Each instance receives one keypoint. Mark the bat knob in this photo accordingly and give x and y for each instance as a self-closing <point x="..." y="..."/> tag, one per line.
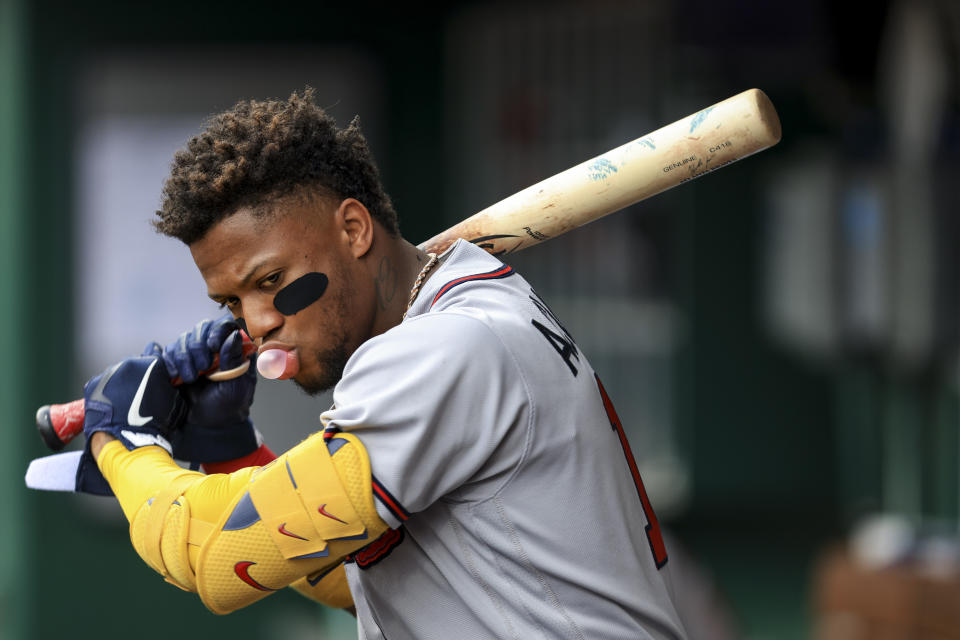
<point x="47" y="430"/>
<point x="58" y="424"/>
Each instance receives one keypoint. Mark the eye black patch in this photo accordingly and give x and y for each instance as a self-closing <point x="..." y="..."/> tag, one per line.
<point x="301" y="293"/>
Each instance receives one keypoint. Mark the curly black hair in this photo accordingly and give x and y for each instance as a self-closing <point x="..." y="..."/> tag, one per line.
<point x="260" y="151"/>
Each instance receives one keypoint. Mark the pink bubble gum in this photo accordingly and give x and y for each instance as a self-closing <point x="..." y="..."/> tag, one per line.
<point x="277" y="364"/>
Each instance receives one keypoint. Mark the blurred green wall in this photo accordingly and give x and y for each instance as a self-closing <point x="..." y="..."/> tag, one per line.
<point x="15" y="544"/>
<point x="61" y="564"/>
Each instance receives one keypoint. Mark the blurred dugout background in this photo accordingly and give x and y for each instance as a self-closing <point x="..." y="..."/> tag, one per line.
<point x="780" y="338"/>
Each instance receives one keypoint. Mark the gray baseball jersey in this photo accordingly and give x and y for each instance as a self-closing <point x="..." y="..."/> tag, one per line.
<point x="498" y="460"/>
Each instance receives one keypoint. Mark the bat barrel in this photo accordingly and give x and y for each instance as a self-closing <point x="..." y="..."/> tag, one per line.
<point x="689" y="148"/>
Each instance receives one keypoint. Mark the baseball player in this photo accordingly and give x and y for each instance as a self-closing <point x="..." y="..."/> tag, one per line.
<point x="472" y="477"/>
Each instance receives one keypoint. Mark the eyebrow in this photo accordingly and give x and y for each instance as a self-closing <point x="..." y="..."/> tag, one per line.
<point x="216" y="297"/>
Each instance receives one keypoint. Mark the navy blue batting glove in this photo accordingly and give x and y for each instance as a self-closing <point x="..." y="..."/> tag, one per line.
<point x="193" y="351"/>
<point x="135" y="403"/>
<point x="217" y="425"/>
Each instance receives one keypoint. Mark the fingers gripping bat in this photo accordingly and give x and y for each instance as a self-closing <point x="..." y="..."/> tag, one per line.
<point x="58" y="424"/>
<point x="689" y="148"/>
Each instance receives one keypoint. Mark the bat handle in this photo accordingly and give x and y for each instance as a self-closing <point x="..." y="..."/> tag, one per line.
<point x="58" y="424"/>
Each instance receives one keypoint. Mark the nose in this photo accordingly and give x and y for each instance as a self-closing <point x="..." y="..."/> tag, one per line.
<point x="261" y="317"/>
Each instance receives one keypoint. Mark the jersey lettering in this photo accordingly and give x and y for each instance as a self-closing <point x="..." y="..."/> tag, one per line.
<point x="566" y="349"/>
<point x="562" y="342"/>
<point x="654" y="536"/>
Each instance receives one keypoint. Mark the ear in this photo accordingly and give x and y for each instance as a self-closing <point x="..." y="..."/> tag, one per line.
<point x="357" y="223"/>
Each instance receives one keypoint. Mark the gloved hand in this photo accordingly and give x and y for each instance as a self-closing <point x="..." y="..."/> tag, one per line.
<point x="135" y="403"/>
<point x="193" y="351"/>
<point x="217" y="425"/>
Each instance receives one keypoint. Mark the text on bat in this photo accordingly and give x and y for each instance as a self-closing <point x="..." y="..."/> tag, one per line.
<point x="679" y="163"/>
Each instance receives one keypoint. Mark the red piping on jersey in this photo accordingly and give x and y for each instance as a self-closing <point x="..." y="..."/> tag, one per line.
<point x="500" y="272"/>
<point x="388" y="500"/>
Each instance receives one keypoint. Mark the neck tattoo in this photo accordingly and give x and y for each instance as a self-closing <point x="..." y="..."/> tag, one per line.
<point x="419" y="281"/>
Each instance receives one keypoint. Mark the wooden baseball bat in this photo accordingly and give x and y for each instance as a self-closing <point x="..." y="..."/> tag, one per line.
<point x="689" y="148"/>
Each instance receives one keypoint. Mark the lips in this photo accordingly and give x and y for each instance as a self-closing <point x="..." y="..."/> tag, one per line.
<point x="275" y="344"/>
<point x="277" y="361"/>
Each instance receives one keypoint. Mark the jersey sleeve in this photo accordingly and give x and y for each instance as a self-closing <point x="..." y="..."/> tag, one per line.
<point x="441" y="408"/>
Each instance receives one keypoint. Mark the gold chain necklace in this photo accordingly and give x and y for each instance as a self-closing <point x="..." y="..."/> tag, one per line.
<point x="419" y="281"/>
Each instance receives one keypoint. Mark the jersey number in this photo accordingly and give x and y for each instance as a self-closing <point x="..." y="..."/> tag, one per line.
<point x="654" y="537"/>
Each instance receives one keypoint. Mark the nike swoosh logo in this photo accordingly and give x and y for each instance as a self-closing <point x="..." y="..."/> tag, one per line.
<point x="283" y="529"/>
<point x="324" y="512"/>
<point x="134" y="419"/>
<point x="242" y="569"/>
